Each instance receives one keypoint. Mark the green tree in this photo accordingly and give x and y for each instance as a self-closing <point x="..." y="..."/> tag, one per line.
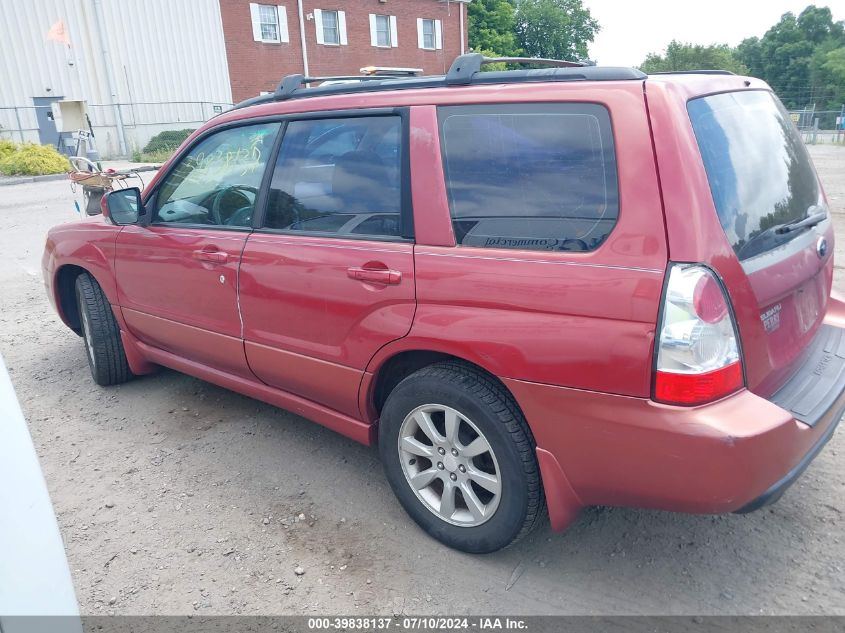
<point x="834" y="63"/>
<point x="684" y="56"/>
<point x="491" y="67"/>
<point x="492" y="27"/>
<point x="793" y="58"/>
<point x="559" y="29"/>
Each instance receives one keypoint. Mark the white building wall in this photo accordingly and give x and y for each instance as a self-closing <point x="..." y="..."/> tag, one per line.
<point x="168" y="67"/>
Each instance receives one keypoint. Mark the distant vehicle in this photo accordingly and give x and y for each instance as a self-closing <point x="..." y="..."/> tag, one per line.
<point x="34" y="575"/>
<point x="375" y="71"/>
<point x="570" y="286"/>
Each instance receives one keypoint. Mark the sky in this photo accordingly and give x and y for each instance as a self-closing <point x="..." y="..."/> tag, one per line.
<point x="630" y="29"/>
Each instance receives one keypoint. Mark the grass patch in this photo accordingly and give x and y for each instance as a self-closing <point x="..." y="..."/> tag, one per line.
<point x="158" y="156"/>
<point x="29" y="159"/>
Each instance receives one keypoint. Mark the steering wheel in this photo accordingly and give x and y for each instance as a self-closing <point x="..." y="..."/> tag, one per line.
<point x="239" y="213"/>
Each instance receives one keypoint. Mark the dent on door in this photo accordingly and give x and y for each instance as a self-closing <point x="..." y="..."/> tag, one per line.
<point x="178" y="277"/>
<point x="178" y="291"/>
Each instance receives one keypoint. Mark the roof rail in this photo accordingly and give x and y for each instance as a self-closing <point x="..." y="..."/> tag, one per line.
<point x="290" y="84"/>
<point x="464" y="71"/>
<point x="465" y="66"/>
<point x="693" y="72"/>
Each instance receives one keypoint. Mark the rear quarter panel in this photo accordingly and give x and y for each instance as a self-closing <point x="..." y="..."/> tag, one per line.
<point x="583" y="320"/>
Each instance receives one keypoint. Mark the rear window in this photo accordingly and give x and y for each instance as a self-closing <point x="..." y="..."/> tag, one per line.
<point x="759" y="170"/>
<point x="530" y="176"/>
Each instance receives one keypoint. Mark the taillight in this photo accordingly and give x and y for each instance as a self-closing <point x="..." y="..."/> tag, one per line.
<point x="697" y="352"/>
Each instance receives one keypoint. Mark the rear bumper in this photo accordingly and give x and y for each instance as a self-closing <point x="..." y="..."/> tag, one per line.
<point x="736" y="454"/>
<point x="778" y="488"/>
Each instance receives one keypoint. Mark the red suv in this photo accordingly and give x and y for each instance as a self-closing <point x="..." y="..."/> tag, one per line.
<point x="563" y="286"/>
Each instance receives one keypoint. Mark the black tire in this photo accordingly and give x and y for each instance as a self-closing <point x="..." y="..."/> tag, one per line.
<point x="478" y="397"/>
<point x="100" y="332"/>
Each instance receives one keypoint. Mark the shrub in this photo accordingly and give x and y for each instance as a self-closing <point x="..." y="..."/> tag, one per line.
<point x="30" y="159"/>
<point x="168" y="140"/>
<point x="158" y="156"/>
<point x="6" y="148"/>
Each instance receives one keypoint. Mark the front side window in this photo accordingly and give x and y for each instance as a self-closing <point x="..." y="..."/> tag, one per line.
<point x="758" y="168"/>
<point x="269" y="21"/>
<point x="383" y="30"/>
<point x="530" y="176"/>
<point x="331" y="31"/>
<point x="339" y="176"/>
<point x="217" y="181"/>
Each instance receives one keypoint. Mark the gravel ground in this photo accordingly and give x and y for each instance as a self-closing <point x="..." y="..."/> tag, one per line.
<point x="178" y="497"/>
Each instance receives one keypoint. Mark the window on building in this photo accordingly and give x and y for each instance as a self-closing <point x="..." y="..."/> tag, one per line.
<point x="339" y="176"/>
<point x="269" y="19"/>
<point x="331" y="35"/>
<point x="269" y="23"/>
<point x="330" y="26"/>
<point x="383" y="30"/>
<point x="530" y="176"/>
<point x="429" y="34"/>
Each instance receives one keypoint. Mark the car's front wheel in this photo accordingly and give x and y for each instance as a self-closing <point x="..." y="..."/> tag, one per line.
<point x="460" y="457"/>
<point x="103" y="346"/>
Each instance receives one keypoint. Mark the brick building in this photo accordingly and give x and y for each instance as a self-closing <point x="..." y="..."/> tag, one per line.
<point x="266" y="41"/>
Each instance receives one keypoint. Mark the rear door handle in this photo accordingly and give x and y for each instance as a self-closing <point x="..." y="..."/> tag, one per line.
<point x="215" y="257"/>
<point x="377" y="275"/>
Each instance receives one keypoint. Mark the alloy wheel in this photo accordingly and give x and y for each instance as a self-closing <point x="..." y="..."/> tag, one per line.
<point x="450" y="465"/>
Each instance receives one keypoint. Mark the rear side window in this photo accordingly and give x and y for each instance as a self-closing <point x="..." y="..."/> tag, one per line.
<point x="530" y="176"/>
<point x="340" y="177"/>
<point x="759" y="171"/>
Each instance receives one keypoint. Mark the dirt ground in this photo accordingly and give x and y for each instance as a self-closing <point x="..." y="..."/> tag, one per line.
<point x="178" y="497"/>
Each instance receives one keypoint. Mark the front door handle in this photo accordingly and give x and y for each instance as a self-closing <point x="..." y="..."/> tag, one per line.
<point x="377" y="275"/>
<point x="215" y="257"/>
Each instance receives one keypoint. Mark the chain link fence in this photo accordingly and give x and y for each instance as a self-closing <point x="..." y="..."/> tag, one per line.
<point x="140" y="120"/>
<point x="820" y="126"/>
<point x="143" y="120"/>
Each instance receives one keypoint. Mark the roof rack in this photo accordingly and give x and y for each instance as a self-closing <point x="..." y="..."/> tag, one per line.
<point x="290" y="84"/>
<point x="465" y="66"/>
<point x="693" y="72"/>
<point x="465" y="70"/>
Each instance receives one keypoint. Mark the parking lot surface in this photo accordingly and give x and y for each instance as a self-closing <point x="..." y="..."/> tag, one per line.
<point x="175" y="497"/>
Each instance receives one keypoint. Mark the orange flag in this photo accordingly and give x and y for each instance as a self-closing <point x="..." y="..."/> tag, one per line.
<point x="58" y="33"/>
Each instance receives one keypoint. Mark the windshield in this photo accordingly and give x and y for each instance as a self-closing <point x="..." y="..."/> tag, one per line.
<point x="760" y="173"/>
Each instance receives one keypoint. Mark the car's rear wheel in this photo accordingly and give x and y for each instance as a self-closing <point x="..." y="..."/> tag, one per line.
<point x="460" y="457"/>
<point x="103" y="346"/>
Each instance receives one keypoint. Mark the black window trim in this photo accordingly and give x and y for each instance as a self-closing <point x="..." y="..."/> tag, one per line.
<point x="406" y="205"/>
<point x="612" y="136"/>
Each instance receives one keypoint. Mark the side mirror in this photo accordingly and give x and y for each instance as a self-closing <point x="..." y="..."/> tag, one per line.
<point x="122" y="206"/>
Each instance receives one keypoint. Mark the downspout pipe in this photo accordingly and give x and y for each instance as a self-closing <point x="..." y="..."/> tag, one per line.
<point x="107" y="69"/>
<point x="461" y="8"/>
<point x="302" y="38"/>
